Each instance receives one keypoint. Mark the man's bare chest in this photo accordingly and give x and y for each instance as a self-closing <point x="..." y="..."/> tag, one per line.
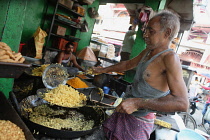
<point x="66" y="56"/>
<point x="156" y="69"/>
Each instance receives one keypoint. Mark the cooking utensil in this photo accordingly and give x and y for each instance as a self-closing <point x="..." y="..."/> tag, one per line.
<point x="54" y="75"/>
<point x="41" y="93"/>
<point x="103" y="107"/>
<point x="12" y="70"/>
<point x="98" y="115"/>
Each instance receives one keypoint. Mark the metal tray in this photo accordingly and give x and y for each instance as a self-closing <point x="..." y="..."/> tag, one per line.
<point x="12" y="70"/>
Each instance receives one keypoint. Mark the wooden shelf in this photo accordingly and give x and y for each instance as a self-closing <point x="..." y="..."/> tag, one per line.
<point x="53" y="49"/>
<point x="70" y="38"/>
<point x="63" y="21"/>
<point x="97" y="42"/>
<point x="63" y="6"/>
<point x="66" y="23"/>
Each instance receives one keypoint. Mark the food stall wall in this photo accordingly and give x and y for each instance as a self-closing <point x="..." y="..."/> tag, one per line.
<point x="11" y="23"/>
<point x="34" y="17"/>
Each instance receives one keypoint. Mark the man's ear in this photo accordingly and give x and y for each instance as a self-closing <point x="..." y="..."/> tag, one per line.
<point x="168" y="32"/>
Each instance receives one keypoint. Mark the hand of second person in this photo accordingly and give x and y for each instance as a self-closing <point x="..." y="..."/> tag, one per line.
<point x="98" y="70"/>
<point x="127" y="106"/>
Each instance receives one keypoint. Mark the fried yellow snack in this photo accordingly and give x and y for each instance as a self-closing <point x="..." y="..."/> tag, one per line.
<point x="10" y="54"/>
<point x="2" y="52"/>
<point x="39" y="70"/>
<point x="7" y="55"/>
<point x="21" y="60"/>
<point x="163" y="123"/>
<point x="18" y="57"/>
<point x="3" y="57"/>
<point x="8" y="60"/>
<point x="10" y="131"/>
<point x="65" y="96"/>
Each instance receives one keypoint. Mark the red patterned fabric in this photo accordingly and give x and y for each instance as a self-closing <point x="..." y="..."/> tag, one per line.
<point x="122" y="126"/>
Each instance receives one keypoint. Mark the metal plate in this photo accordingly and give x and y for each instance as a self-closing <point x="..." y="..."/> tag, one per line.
<point x="12" y="70"/>
<point x="54" y="75"/>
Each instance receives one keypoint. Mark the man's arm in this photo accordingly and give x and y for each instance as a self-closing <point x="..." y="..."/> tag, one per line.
<point x="74" y="61"/>
<point x="59" y="57"/>
<point x="177" y="99"/>
<point x="131" y="32"/>
<point x="122" y="66"/>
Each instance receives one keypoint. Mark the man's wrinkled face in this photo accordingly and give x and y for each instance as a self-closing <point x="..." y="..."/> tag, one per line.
<point x="153" y="34"/>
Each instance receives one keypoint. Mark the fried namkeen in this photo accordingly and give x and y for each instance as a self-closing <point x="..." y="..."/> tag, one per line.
<point x="7" y="55"/>
<point x="65" y="96"/>
<point x="10" y="131"/>
<point x="39" y="70"/>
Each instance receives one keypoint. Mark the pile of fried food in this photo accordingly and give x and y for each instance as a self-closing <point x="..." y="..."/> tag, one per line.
<point x="39" y="70"/>
<point x="90" y="72"/>
<point x="61" y="119"/>
<point x="163" y="123"/>
<point x="10" y="131"/>
<point x="77" y="83"/>
<point x="65" y="96"/>
<point x="7" y="55"/>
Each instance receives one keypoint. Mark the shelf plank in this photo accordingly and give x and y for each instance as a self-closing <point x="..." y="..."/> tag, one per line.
<point x="66" y="23"/>
<point x="53" y="49"/>
<point x="65" y="7"/>
<point x="67" y="38"/>
<point x="97" y="42"/>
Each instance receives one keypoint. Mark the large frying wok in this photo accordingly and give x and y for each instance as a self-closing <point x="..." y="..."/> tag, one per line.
<point x="95" y="114"/>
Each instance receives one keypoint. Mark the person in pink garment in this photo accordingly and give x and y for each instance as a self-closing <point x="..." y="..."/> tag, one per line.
<point x="206" y="88"/>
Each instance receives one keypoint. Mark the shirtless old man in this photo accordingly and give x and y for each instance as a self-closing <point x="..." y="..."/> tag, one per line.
<point x="158" y="84"/>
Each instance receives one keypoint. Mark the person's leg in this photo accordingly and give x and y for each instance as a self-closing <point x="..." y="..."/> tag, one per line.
<point x="121" y="126"/>
<point x="204" y="111"/>
<point x="205" y="108"/>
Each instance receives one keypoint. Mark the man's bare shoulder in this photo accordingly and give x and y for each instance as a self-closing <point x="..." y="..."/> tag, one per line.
<point x="170" y="56"/>
<point x="171" y="60"/>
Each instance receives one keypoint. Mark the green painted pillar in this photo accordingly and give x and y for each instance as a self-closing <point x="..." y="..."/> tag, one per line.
<point x="139" y="44"/>
<point x="86" y="36"/>
<point x="11" y="26"/>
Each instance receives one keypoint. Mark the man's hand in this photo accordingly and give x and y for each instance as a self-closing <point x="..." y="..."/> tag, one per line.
<point x="98" y="70"/>
<point x="128" y="106"/>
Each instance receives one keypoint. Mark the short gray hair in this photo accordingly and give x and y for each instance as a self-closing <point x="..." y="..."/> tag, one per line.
<point x="170" y="20"/>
